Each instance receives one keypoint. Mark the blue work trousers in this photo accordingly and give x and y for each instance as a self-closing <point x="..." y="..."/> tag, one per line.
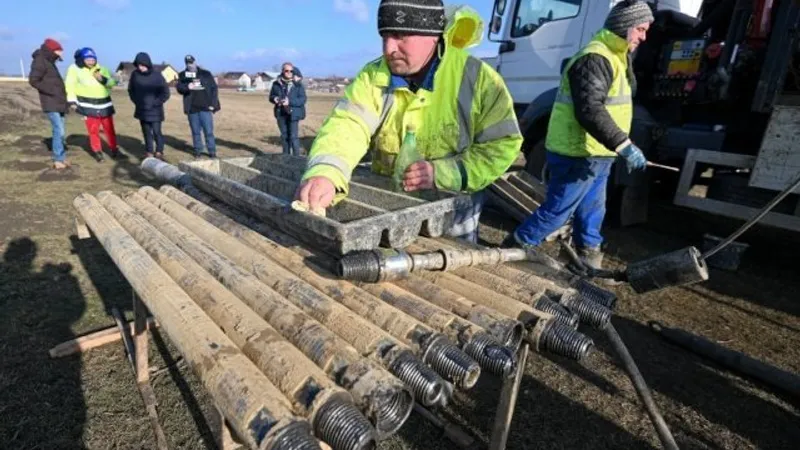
<point x="577" y="189"/>
<point x="203" y="122"/>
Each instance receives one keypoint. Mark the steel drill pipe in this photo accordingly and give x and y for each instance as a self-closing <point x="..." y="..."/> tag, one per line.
<point x="570" y="285"/>
<point x="447" y="359"/>
<point x="329" y="408"/>
<point x="551" y="338"/>
<point x="258" y="412"/>
<point x="506" y="330"/>
<point x="383" y="398"/>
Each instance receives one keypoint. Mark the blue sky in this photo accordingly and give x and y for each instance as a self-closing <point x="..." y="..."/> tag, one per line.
<point x="322" y="37"/>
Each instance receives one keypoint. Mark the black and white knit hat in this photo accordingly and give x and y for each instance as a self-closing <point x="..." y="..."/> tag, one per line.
<point x="418" y="17"/>
<point x="627" y="14"/>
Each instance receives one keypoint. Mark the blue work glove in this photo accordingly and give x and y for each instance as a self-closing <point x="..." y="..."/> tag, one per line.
<point x="634" y="158"/>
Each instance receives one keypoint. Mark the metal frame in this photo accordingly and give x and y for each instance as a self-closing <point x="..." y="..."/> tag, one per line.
<point x="727" y="209"/>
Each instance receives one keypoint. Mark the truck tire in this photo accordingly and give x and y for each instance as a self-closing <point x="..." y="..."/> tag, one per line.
<point x="535" y="161"/>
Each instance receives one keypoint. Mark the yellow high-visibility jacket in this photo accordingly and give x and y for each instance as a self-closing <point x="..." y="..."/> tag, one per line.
<point x="464" y="118"/>
<point x="92" y="97"/>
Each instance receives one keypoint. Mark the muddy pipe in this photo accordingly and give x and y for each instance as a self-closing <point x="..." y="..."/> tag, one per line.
<point x="329" y="408"/>
<point x="258" y="412"/>
<point x="383" y="398"/>
<point x="341" y="311"/>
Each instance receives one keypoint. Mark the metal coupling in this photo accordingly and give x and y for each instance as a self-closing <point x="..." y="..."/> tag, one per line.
<point x="342" y="426"/>
<point x="376" y="265"/>
<point x="491" y="355"/>
<point x="595" y="293"/>
<point x="593" y="314"/>
<point x="559" y="312"/>
<point x="557" y="338"/>
<point x="427" y="386"/>
<point x="294" y="436"/>
<point x="452" y="363"/>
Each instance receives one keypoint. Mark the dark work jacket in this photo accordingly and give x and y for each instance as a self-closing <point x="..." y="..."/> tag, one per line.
<point x="590" y="79"/>
<point x="45" y="77"/>
<point x="198" y="100"/>
<point x="148" y="91"/>
<point x="297" y="98"/>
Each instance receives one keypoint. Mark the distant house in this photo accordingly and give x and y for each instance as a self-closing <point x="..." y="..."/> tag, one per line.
<point x="125" y="69"/>
<point x="234" y="80"/>
<point x="262" y="81"/>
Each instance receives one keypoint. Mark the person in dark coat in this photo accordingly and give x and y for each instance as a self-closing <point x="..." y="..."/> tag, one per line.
<point x="200" y="102"/>
<point x="289" y="97"/>
<point x="149" y="91"/>
<point x="45" y="78"/>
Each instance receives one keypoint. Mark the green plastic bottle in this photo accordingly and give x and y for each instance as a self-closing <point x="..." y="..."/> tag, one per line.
<point x="408" y="155"/>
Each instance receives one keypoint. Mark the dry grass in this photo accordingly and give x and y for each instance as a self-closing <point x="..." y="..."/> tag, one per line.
<point x="53" y="287"/>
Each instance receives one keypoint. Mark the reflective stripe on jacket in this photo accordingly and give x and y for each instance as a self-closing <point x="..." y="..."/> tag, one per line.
<point x="465" y="124"/>
<point x="565" y="135"/>
<point x="92" y="97"/>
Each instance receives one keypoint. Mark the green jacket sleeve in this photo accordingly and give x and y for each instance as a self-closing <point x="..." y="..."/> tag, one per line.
<point x="345" y="135"/>
<point x="496" y="142"/>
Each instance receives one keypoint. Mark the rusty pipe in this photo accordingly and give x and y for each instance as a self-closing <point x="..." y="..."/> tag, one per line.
<point x="329" y="408"/>
<point x="281" y="272"/>
<point x="384" y="399"/>
<point x="255" y="408"/>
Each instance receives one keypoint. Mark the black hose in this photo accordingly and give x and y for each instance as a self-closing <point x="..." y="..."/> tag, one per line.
<point x="664" y="434"/>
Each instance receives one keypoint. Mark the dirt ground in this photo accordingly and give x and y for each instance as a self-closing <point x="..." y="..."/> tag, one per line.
<point x="54" y="287"/>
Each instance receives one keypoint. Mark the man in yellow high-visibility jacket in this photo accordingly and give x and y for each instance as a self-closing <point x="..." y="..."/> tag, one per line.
<point x="466" y="129"/>
<point x="589" y="128"/>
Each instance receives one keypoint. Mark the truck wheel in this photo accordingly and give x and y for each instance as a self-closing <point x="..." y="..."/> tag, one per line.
<point x="535" y="161"/>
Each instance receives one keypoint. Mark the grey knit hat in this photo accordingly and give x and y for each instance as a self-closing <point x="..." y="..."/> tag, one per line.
<point x="627" y="14"/>
<point x="418" y="17"/>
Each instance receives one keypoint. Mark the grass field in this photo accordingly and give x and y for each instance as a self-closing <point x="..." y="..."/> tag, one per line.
<point x="53" y="287"/>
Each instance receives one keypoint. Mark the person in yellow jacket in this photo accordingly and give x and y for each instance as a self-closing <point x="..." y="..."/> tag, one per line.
<point x="89" y="92"/>
<point x="466" y="129"/>
<point x="589" y="128"/>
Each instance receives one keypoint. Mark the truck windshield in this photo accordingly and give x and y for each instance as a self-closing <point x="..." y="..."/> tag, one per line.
<point x="531" y="14"/>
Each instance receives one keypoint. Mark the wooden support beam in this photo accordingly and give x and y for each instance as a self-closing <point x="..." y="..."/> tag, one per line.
<point x="94" y="339"/>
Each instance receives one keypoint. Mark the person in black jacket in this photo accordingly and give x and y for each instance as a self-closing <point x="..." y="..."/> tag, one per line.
<point x="289" y="97"/>
<point x="149" y="91"/>
<point x="45" y="78"/>
<point x="200" y="102"/>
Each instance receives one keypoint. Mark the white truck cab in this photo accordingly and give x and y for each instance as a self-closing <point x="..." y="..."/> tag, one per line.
<point x="538" y="37"/>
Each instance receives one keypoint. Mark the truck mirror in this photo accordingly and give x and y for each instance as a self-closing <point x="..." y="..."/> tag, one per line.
<point x="497" y="23"/>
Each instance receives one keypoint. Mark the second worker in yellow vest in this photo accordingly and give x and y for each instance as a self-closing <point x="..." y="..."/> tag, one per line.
<point x="467" y="132"/>
<point x="588" y="129"/>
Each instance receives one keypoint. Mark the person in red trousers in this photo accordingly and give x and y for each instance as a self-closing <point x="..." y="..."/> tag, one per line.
<point x="89" y="93"/>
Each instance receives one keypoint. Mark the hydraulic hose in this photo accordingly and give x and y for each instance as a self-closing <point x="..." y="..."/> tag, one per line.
<point x="660" y="425"/>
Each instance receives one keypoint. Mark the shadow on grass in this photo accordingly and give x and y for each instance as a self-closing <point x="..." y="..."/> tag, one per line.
<point x="41" y="400"/>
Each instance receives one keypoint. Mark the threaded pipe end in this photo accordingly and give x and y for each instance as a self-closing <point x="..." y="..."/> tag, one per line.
<point x="390" y="409"/>
<point x="596" y="294"/>
<point x="593" y="314"/>
<point x="559" y="313"/>
<point x="559" y="339"/>
<point x="359" y="266"/>
<point x="508" y="332"/>
<point x="342" y="426"/>
<point x="294" y="436"/>
<point x="491" y="355"/>
<point x="452" y="363"/>
<point x="426" y="384"/>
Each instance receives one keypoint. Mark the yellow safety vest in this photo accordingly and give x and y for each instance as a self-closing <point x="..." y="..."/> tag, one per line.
<point x="565" y="135"/>
<point x="465" y="125"/>
<point x="91" y="97"/>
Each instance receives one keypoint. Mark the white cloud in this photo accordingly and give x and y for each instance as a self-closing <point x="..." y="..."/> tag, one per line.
<point x="263" y="53"/>
<point x="221" y="6"/>
<point x="60" y="36"/>
<point x="6" y="34"/>
<point x="356" y="8"/>
<point x="114" y="5"/>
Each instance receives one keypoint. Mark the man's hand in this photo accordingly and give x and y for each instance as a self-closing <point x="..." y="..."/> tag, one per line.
<point x="419" y="176"/>
<point x="634" y="158"/>
<point x="98" y="76"/>
<point x="285" y="102"/>
<point x="317" y="192"/>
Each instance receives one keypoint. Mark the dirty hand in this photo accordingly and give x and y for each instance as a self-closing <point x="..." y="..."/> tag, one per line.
<point x="419" y="176"/>
<point x="317" y="192"/>
<point x="634" y="158"/>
